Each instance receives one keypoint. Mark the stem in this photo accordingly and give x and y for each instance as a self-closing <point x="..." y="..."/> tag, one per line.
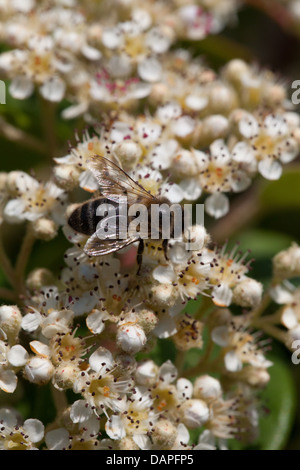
<point x="60" y="400"/>
<point x="49" y="128"/>
<point x="266" y="300"/>
<point x="6" y="265"/>
<point x="275" y="332"/>
<point x="277" y="12"/>
<point x="20" y="137"/>
<point x="7" y="294"/>
<point x="179" y="361"/>
<point x="23" y="258"/>
<point x="203" y="364"/>
<point x="243" y="211"/>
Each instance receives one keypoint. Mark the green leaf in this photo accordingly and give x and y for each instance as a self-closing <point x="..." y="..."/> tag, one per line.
<point x="264" y="244"/>
<point x="277" y="410"/>
<point x="280" y="399"/>
<point x="283" y="193"/>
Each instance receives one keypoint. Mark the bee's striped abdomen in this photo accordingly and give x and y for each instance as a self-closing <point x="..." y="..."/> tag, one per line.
<point x="84" y="219"/>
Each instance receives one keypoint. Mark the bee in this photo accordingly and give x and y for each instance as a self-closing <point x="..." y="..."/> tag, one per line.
<point x="116" y="184"/>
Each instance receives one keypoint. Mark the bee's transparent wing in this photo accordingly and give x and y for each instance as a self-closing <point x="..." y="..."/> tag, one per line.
<point x="111" y="235"/>
<point x="115" y="183"/>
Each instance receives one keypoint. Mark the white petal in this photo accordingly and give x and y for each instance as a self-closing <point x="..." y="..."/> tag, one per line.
<point x="182" y="434"/>
<point x="241" y="181"/>
<point x="95" y="322"/>
<point x="72" y="112"/>
<point x="111" y="38"/>
<point x="9" y="417"/>
<point x="84" y="304"/>
<point x="8" y="381"/>
<point x="173" y="192"/>
<point x="17" y="356"/>
<point x="114" y="427"/>
<point x="21" y="87"/>
<point x="196" y="102"/>
<point x="58" y="439"/>
<point x="191" y="189"/>
<point x="217" y="205"/>
<point x="270" y="169"/>
<point x="53" y="90"/>
<point x="166" y="327"/>
<point x="80" y="412"/>
<point x="183" y="126"/>
<point x="40" y="348"/>
<point x="143" y="441"/>
<point x="275" y="125"/>
<point x="232" y="362"/>
<point x="185" y="388"/>
<point x="219" y="335"/>
<point x="222" y="295"/>
<point x="35" y="429"/>
<point x="88" y="182"/>
<point x="289" y="318"/>
<point x="91" y="53"/>
<point x="243" y="153"/>
<point x="150" y="70"/>
<point x="162" y="154"/>
<point x="14" y="211"/>
<point x="101" y="360"/>
<point x="248" y="126"/>
<point x="31" y="321"/>
<point x="168" y="372"/>
<point x="164" y="274"/>
<point x="281" y="294"/>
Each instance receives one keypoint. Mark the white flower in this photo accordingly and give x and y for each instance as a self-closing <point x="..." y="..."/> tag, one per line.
<point x="34" y="200"/>
<point x="16" y="437"/>
<point x="130" y="335"/>
<point x="272" y="143"/>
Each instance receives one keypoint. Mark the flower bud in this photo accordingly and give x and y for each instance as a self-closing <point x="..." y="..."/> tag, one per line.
<point x="207" y="388"/>
<point x="164" y="294"/>
<point x="185" y="388"/>
<point x="39" y="370"/>
<point x="39" y="277"/>
<point x="130" y="336"/>
<point x="235" y="70"/>
<point x="44" y="229"/>
<point x="214" y="127"/>
<point x="194" y="413"/>
<point x="248" y="293"/>
<point x="66" y="176"/>
<point x="146" y="373"/>
<point x="65" y="376"/>
<point x="128" y="152"/>
<point x="286" y="263"/>
<point x="164" y="434"/>
<point x="10" y="321"/>
<point x="127" y="444"/>
<point x="147" y="320"/>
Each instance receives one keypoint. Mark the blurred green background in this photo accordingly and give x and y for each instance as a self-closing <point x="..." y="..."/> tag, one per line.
<point x="275" y="221"/>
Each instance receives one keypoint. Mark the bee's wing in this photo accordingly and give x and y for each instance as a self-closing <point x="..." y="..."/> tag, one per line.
<point x="115" y="183"/>
<point x="97" y="247"/>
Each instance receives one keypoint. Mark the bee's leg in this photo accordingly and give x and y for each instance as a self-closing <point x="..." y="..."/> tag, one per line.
<point x="139" y="256"/>
<point x="165" y="244"/>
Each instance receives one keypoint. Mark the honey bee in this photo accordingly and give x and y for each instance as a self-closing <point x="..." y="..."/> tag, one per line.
<point x="115" y="186"/>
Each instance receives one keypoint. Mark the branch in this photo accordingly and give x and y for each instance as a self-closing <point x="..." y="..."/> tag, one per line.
<point x="9" y="132"/>
<point x="243" y="211"/>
